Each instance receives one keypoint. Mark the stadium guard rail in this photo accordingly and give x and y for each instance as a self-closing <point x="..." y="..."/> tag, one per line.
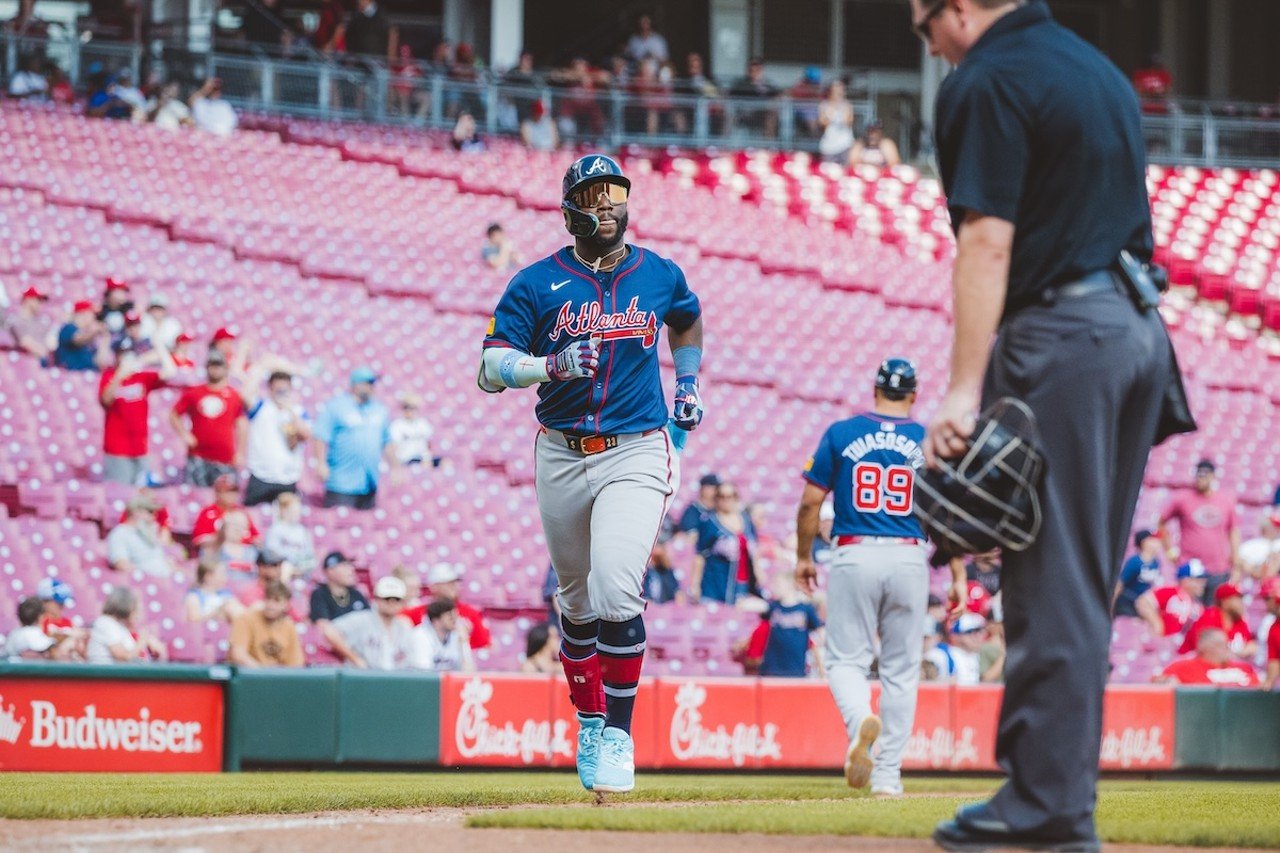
<point x="191" y="718"/>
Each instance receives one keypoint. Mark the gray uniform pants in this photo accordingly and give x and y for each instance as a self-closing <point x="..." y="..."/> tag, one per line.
<point x="1094" y="371"/>
<point x="601" y="515"/>
<point x="877" y="591"/>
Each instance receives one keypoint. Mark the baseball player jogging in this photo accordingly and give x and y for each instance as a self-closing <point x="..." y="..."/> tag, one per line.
<point x="879" y="583"/>
<point x="583" y="325"/>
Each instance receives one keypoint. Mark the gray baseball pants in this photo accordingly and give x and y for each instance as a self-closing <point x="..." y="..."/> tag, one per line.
<point x="877" y="590"/>
<point x="601" y="514"/>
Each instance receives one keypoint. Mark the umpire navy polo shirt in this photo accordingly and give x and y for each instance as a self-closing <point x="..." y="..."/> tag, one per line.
<point x="1035" y="126"/>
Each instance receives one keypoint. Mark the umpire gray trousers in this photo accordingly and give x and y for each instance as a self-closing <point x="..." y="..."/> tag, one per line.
<point x="1094" y="371"/>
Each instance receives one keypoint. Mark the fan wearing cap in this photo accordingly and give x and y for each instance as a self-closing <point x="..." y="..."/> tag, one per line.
<point x="376" y="638"/>
<point x="337" y="595"/>
<point x="958" y="660"/>
<point x="1227" y="615"/>
<point x="1207" y="529"/>
<point x="158" y="325"/>
<point x="181" y="354"/>
<point x="1211" y="666"/>
<point x="55" y="595"/>
<point x="1168" y="610"/>
<point x="28" y="328"/>
<point x="352" y="436"/>
<point x="82" y="340"/>
<point x="1271" y="592"/>
<point x="219" y="427"/>
<point x="116" y="303"/>
<point x="1139" y="573"/>
<point x="124" y="391"/>
<point x="136" y="544"/>
<point x="445" y="583"/>
<point x="411" y="433"/>
<point x="226" y="497"/>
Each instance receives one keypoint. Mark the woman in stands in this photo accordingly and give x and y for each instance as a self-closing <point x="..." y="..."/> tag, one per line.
<point x="873" y="149"/>
<point x="835" y="117"/>
<point x="726" y="566"/>
<point x="229" y="550"/>
<point x="115" y="637"/>
<point x="542" y="650"/>
<point x="210" y="598"/>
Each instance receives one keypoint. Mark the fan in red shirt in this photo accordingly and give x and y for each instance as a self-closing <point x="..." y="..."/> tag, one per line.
<point x="123" y="391"/>
<point x="1169" y="609"/>
<point x="1153" y="84"/>
<point x="1271" y="592"/>
<point x="219" y="424"/>
<point x="1212" y="665"/>
<point x="1226" y="616"/>
<point x="226" y="496"/>
<point x="446" y="582"/>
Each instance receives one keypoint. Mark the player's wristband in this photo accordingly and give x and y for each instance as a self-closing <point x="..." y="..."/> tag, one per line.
<point x="688" y="361"/>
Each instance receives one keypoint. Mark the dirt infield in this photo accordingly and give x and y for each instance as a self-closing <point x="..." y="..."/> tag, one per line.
<point x="440" y="829"/>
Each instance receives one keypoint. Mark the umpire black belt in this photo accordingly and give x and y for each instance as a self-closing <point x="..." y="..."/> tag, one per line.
<point x="1102" y="281"/>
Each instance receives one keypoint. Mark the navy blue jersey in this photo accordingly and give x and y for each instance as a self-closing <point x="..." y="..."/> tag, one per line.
<point x="789" y="628"/>
<point x="869" y="463"/>
<point x="557" y="300"/>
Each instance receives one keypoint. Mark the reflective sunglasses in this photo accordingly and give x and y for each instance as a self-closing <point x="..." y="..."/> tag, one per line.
<point x="589" y="196"/>
<point x="924" y="27"/>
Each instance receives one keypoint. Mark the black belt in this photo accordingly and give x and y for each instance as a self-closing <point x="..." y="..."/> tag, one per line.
<point x="1102" y="281"/>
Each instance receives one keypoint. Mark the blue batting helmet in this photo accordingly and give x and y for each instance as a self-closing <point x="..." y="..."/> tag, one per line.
<point x="584" y="171"/>
<point x="896" y="378"/>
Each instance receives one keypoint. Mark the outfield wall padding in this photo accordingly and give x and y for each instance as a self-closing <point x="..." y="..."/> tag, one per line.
<point x="1227" y="730"/>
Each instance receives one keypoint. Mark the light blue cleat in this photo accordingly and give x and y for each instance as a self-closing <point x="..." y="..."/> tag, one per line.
<point x="617" y="772"/>
<point x="589" y="729"/>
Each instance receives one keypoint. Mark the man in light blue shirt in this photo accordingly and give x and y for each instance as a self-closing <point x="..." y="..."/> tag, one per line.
<point x="352" y="435"/>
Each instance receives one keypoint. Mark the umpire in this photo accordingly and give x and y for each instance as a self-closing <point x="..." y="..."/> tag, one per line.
<point x="1042" y="160"/>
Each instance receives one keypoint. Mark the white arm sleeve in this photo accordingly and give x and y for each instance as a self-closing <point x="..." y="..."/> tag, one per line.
<point x="502" y="367"/>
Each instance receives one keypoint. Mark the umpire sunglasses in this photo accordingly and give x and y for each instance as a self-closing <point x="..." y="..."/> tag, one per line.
<point x="924" y="27"/>
<point x="590" y="195"/>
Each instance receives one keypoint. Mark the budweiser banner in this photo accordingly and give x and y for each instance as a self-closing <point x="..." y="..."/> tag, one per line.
<point x="91" y="725"/>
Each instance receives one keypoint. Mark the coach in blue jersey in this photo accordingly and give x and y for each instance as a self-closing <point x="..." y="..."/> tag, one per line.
<point x="879" y="581"/>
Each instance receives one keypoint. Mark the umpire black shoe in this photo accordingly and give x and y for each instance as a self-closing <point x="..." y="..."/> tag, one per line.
<point x="976" y="829"/>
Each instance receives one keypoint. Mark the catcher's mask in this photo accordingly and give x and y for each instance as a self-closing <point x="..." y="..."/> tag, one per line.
<point x="989" y="496"/>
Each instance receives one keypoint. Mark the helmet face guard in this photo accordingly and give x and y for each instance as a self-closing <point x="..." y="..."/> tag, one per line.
<point x="585" y="171"/>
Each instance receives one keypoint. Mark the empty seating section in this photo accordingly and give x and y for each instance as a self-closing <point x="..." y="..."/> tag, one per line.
<point x="339" y="245"/>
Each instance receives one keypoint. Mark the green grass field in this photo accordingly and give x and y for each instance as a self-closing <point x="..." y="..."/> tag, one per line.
<point x="1240" y="814"/>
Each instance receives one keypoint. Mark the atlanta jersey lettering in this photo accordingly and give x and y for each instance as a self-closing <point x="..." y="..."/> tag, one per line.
<point x="869" y="462"/>
<point x="557" y="300"/>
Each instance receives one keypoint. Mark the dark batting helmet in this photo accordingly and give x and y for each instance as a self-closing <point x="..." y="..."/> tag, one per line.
<point x="896" y="378"/>
<point x="588" y="170"/>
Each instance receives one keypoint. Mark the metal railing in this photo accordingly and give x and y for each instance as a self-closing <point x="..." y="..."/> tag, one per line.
<point x="351" y="88"/>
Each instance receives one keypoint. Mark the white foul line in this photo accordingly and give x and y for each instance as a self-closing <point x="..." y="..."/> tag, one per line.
<point x="277" y="825"/>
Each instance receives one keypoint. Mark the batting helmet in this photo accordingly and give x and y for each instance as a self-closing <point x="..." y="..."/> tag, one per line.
<point x="896" y="378"/>
<point x="988" y="497"/>
<point x="584" y="171"/>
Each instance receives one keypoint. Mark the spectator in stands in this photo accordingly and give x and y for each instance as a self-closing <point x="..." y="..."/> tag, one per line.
<point x="276" y="443"/>
<point x="700" y="508"/>
<point x="211" y="112"/>
<point x="226" y="498"/>
<point x="168" y="111"/>
<point x="1260" y="557"/>
<point x="652" y="90"/>
<point x="125" y="88"/>
<point x="466" y="138"/>
<point x="163" y="522"/>
<point x="266" y="635"/>
<point x="117" y="638"/>
<point x="369" y="32"/>
<point x="542" y="650"/>
<point x="525" y="76"/>
<point x="28" y="642"/>
<point x="445" y="582"/>
<point x="957" y="660"/>
<point x="991" y="654"/>
<point x="835" y="118"/>
<point x="232" y="547"/>
<point x="376" y="638"/>
<point x="807" y="95"/>
<point x="61" y="92"/>
<point x="697" y="84"/>
<point x="498" y="251"/>
<point x="407" y="95"/>
<point x="270" y="569"/>
<point x="412" y="591"/>
<point x="538" y="130"/>
<point x="754" y="118"/>
<point x="27" y="328"/>
<point x="289" y="537"/>
<point x="646" y="44"/>
<point x="1154" y="85"/>
<point x="104" y="99"/>
<point x="338" y="595"/>
<point x="28" y="83"/>
<point x="330" y="34"/>
<point x="136" y="544"/>
<point x="1227" y="615"/>
<point x="411" y="433"/>
<point x="724" y="567"/>
<point x="117" y="304"/>
<point x="181" y="357"/>
<point x="792" y="622"/>
<point x="985" y="570"/>
<point x="874" y="148"/>
<point x="1168" y="610"/>
<point x="580" y="111"/>
<point x="157" y="325"/>
<point x="210" y="598"/>
<point x="1212" y="665"/>
<point x="750" y="652"/>
<point x="661" y="584"/>
<point x="218" y="428"/>
<point x="441" y="643"/>
<point x="1207" y="531"/>
<point x="124" y="392"/>
<point x="81" y="340"/>
<point x="1139" y="573"/>
<point x="1272" y="654"/>
<point x="55" y="595"/>
<point x="931" y="639"/>
<point x="352" y="435"/>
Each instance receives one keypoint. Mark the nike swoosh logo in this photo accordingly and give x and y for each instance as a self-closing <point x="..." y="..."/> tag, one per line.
<point x="559" y="285"/>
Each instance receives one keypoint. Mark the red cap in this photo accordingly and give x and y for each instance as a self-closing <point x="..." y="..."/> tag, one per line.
<point x="1227" y="590"/>
<point x="33" y="293"/>
<point x="1271" y="588"/>
<point x="84" y="305"/>
<point x="117" y="284"/>
<point x="183" y="338"/>
<point x="224" y="334"/>
<point x="131" y="318"/>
